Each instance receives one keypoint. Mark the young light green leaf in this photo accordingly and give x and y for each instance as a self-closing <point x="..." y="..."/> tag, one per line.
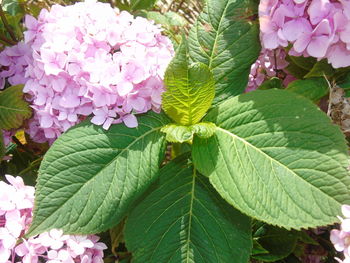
<point x="13" y="109"/>
<point x="226" y="38"/>
<point x="204" y="129"/>
<point x="276" y="157"/>
<point x="189" y="89"/>
<point x="90" y="177"/>
<point x="313" y="88"/>
<point x="184" y="220"/>
<point x="178" y="133"/>
<point x="141" y="4"/>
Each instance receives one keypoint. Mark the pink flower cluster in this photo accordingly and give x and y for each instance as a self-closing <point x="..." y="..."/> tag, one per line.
<point x="316" y="28"/>
<point x="13" y="62"/>
<point x="341" y="238"/>
<point x="88" y="59"/>
<point x="270" y="63"/>
<point x="16" y="204"/>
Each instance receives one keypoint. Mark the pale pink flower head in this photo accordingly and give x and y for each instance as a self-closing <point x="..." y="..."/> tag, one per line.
<point x="16" y="204"/>
<point x="90" y="59"/>
<point x="341" y="238"/>
<point x="13" y="62"/>
<point x="313" y="28"/>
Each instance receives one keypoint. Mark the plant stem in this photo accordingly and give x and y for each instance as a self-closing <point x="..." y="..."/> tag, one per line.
<point x="7" y="40"/>
<point x="32" y="165"/>
<point x="6" y="24"/>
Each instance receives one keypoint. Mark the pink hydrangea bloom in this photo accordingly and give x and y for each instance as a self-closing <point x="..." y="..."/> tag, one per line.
<point x="316" y="28"/>
<point x="13" y="62"/>
<point x="90" y="59"/>
<point x="16" y="204"/>
<point x="341" y="238"/>
<point x="270" y="63"/>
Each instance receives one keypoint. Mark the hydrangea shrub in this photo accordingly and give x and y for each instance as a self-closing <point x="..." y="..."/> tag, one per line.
<point x="220" y="151"/>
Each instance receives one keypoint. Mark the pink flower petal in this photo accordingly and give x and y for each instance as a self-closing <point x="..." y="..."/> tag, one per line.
<point x="130" y="121"/>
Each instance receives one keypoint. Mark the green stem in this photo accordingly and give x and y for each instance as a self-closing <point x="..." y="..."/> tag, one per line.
<point x="7" y="40"/>
<point x="6" y="24"/>
<point x="34" y="164"/>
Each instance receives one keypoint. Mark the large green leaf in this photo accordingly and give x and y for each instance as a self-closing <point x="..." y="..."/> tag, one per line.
<point x="184" y="220"/>
<point x="141" y="4"/>
<point x="226" y="38"/>
<point x="313" y="88"/>
<point x="90" y="176"/>
<point x="276" y="157"/>
<point x="189" y="89"/>
<point x="13" y="109"/>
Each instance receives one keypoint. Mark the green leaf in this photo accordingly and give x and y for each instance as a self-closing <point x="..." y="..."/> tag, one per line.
<point x="278" y="242"/>
<point x="258" y="249"/>
<point x="226" y="38"/>
<point x="157" y="17"/>
<point x="295" y="70"/>
<point x="344" y="81"/>
<point x="90" y="177"/>
<point x="13" y="109"/>
<point x="12" y="7"/>
<point x="174" y="19"/>
<point x="204" y="129"/>
<point x="2" y="146"/>
<point x="313" y="88"/>
<point x="276" y="157"/>
<point x="178" y="133"/>
<point x="141" y="4"/>
<point x="189" y="89"/>
<point x="303" y="62"/>
<point x="184" y="220"/>
<point x="306" y="238"/>
<point x="321" y="69"/>
<point x="273" y="83"/>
